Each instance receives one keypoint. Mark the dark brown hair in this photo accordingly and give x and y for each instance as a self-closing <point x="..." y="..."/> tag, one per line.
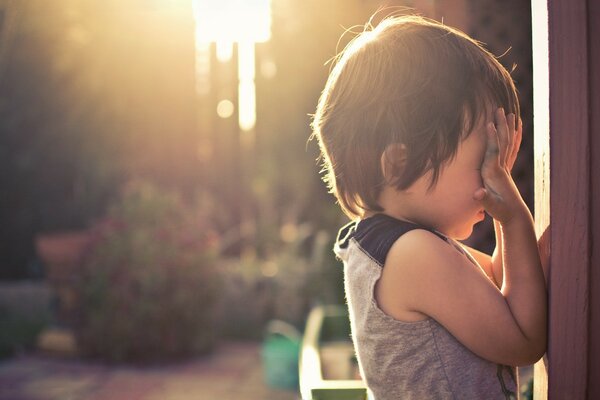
<point x="409" y="81"/>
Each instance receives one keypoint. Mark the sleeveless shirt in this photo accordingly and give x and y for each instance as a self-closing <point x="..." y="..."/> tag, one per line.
<point x="408" y="360"/>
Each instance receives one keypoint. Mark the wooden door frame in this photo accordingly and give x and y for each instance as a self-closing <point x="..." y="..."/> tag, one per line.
<point x="566" y="52"/>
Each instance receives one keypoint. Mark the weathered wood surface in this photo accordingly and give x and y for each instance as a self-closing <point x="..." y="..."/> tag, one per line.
<point x="593" y="23"/>
<point x="568" y="158"/>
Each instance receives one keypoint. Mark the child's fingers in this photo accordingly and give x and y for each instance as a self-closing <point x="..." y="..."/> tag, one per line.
<point x="517" y="144"/>
<point x="510" y="119"/>
<point x="491" y="161"/>
<point x="496" y="189"/>
<point x="519" y="137"/>
<point x="503" y="134"/>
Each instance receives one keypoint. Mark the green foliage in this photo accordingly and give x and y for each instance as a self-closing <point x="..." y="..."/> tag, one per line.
<point x="149" y="284"/>
<point x="283" y="285"/>
<point x="19" y="331"/>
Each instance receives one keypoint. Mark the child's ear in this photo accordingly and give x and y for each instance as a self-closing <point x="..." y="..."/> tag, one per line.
<point x="393" y="161"/>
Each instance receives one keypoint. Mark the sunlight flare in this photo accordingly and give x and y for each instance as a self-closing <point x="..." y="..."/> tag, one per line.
<point x="233" y="20"/>
<point x="225" y="22"/>
<point x="247" y="88"/>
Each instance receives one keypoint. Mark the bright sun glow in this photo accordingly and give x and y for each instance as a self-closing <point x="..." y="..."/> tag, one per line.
<point x="233" y="20"/>
<point x="225" y="22"/>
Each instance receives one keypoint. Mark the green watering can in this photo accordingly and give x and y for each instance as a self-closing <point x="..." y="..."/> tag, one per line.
<point x="280" y="352"/>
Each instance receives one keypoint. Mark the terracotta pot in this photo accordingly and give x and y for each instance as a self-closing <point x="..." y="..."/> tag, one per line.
<point x="62" y="253"/>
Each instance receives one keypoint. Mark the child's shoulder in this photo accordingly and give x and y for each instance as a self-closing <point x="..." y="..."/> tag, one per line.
<point x="422" y="245"/>
<point x="377" y="234"/>
<point x="411" y="259"/>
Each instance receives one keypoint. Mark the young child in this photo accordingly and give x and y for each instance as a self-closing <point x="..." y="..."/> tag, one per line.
<point x="419" y="129"/>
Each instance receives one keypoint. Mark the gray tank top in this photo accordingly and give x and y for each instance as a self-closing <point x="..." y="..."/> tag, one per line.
<point x="408" y="360"/>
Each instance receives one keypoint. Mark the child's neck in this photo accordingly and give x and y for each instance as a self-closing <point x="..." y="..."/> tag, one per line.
<point x="397" y="204"/>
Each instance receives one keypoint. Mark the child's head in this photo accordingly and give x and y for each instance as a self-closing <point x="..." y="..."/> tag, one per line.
<point x="408" y="81"/>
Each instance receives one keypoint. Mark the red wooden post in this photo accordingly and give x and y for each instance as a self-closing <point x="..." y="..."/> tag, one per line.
<point x="594" y="131"/>
<point x="567" y="117"/>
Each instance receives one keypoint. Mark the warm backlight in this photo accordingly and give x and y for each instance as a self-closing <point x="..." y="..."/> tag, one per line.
<point x="225" y="22"/>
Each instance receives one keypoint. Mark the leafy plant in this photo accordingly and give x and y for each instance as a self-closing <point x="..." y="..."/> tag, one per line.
<point x="283" y="286"/>
<point x="149" y="284"/>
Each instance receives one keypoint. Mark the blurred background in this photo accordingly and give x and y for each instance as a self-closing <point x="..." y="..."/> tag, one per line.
<point x="159" y="194"/>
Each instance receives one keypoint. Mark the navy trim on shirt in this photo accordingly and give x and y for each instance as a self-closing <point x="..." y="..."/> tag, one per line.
<point x="377" y="234"/>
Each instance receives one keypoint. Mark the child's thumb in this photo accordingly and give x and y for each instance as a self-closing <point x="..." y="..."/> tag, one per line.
<point x="480" y="194"/>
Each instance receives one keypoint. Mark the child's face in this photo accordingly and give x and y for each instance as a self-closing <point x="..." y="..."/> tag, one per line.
<point x="449" y="206"/>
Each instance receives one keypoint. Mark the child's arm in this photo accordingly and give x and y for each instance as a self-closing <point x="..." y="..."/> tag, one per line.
<point x="424" y="274"/>
<point x="496" y="261"/>
<point x="523" y="283"/>
<point x="485" y="262"/>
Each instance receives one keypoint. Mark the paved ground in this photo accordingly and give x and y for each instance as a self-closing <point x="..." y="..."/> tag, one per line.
<point x="233" y="372"/>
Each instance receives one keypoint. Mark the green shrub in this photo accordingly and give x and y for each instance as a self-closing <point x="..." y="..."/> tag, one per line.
<point x="285" y="285"/>
<point x="149" y="283"/>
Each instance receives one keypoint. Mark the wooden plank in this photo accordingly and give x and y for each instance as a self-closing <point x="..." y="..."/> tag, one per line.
<point x="569" y="200"/>
<point x="541" y="155"/>
<point x="594" y="128"/>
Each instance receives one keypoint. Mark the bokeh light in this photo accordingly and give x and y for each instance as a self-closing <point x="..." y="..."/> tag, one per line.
<point x="225" y="108"/>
